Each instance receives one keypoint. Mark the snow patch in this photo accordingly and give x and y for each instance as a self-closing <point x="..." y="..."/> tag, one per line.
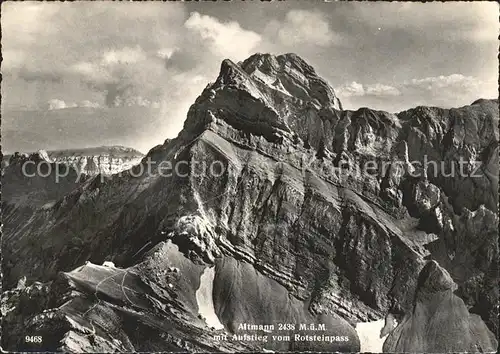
<point x="205" y="300"/>
<point x="369" y="336"/>
<point x="270" y="81"/>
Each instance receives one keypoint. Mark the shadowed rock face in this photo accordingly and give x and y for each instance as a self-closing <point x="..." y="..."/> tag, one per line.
<point x="242" y="295"/>
<point x="23" y="196"/>
<point x="290" y="237"/>
<point x="38" y="181"/>
<point x="439" y="321"/>
<point x="32" y="180"/>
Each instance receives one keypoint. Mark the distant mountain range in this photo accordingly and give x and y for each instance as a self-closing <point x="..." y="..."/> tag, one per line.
<point x="93" y="160"/>
<point x="31" y="130"/>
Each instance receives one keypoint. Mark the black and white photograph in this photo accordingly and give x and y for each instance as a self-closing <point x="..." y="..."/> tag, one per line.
<point x="249" y="176"/>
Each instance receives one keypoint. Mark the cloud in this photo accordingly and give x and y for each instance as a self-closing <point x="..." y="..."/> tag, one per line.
<point x="453" y="82"/>
<point x="130" y="101"/>
<point x="59" y="104"/>
<point x="12" y="58"/>
<point x="127" y="67"/>
<point x="449" y="21"/>
<point x="444" y="90"/>
<point x="89" y="104"/>
<point x="304" y="27"/>
<point x="73" y="43"/>
<point x="56" y="103"/>
<point x="350" y="89"/>
<point x="356" y="89"/>
<point x="40" y="76"/>
<point x="28" y="21"/>
<point x="124" y="55"/>
<point x="226" y="39"/>
<point x="382" y="90"/>
<point x="165" y="53"/>
<point x="125" y="75"/>
<point x="92" y="73"/>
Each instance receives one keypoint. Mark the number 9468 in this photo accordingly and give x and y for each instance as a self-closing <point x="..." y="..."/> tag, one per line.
<point x="33" y="339"/>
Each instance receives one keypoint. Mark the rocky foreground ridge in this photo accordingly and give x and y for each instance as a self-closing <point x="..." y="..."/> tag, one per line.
<point x="293" y="224"/>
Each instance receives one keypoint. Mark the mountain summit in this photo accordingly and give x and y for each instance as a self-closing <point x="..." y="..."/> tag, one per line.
<point x="280" y="97"/>
<point x="286" y="224"/>
<point x="290" y="74"/>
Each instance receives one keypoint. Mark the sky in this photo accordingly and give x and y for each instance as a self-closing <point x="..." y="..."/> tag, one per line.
<point x="71" y="69"/>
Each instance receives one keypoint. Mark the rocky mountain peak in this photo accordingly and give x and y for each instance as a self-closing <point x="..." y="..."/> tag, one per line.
<point x="290" y="73"/>
<point x="286" y="74"/>
<point x="275" y="97"/>
<point x="434" y="278"/>
<point x="275" y="63"/>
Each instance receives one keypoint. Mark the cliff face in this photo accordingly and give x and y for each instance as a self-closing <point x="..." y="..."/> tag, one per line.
<point x="297" y="227"/>
<point x="106" y="160"/>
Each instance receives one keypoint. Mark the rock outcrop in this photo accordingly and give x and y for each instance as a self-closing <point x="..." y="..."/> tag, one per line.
<point x="439" y="321"/>
<point x="309" y="214"/>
